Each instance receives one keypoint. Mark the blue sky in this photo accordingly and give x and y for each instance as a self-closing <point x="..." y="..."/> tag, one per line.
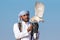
<point x="9" y="10"/>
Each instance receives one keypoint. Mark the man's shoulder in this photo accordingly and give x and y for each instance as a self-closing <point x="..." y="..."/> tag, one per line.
<point x="15" y="26"/>
<point x="15" y="23"/>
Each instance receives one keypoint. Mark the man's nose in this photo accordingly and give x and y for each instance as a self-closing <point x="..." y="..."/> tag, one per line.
<point x="27" y="16"/>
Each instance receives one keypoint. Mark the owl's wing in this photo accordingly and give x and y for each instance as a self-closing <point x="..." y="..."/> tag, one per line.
<point x="39" y="9"/>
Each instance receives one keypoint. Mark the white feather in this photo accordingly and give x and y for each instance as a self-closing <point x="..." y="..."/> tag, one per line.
<point x="39" y="11"/>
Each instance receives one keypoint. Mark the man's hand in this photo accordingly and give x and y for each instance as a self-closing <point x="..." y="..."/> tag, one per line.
<point x="30" y="28"/>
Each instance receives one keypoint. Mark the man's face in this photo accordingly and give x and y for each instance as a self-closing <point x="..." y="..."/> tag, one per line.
<point x="25" y="17"/>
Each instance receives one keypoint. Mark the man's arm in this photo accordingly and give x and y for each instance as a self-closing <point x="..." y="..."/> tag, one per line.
<point x="19" y="34"/>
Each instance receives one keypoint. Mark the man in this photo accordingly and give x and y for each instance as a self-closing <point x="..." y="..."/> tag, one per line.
<point x="22" y="30"/>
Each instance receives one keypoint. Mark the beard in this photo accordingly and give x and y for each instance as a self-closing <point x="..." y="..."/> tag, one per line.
<point x="26" y="20"/>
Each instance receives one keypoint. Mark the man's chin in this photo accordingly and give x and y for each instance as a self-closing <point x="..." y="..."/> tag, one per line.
<point x="26" y="20"/>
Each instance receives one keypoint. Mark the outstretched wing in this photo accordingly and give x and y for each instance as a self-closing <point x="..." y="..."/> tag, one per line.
<point x="39" y="9"/>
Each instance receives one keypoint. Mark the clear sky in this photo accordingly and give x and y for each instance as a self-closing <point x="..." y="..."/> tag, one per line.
<point x="9" y="10"/>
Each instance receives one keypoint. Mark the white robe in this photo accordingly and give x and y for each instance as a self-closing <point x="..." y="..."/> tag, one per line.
<point x="24" y="35"/>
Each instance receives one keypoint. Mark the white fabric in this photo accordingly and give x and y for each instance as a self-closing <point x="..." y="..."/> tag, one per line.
<point x="22" y="13"/>
<point x="24" y="35"/>
<point x="36" y="35"/>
